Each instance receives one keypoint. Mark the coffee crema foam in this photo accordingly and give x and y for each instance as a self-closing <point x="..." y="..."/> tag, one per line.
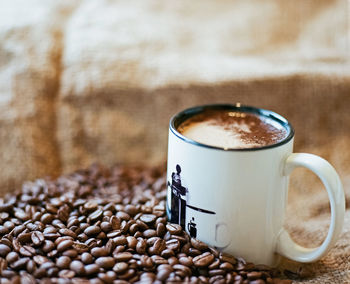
<point x="232" y="129"/>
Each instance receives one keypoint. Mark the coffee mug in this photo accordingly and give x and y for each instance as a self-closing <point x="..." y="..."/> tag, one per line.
<point x="235" y="199"/>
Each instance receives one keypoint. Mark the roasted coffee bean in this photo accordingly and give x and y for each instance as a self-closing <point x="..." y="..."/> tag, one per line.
<point x="78" y="267"/>
<point x="173" y="244"/>
<point x="63" y="262"/>
<point x="163" y="271"/>
<point x="132" y="242"/>
<point x="174" y="229"/>
<point x="131" y="210"/>
<point x="203" y="260"/>
<point x="27" y="251"/>
<point x="92" y="269"/>
<point x="64" y="245"/>
<point x="39" y="259"/>
<point x="141" y="246"/>
<point x="224" y="257"/>
<point x="254" y="275"/>
<point x="123" y="256"/>
<point x="20" y="263"/>
<point x="149" y="233"/>
<point x="4" y="250"/>
<point x="98" y="252"/>
<point x="47" y="218"/>
<point x="37" y="238"/>
<point x="86" y="258"/>
<point x="66" y="274"/>
<point x="161" y="230"/>
<point x="92" y="230"/>
<point x="105" y="262"/>
<point x="187" y="261"/>
<point x="67" y="232"/>
<point x="120" y="267"/>
<point x="48" y="246"/>
<point x="226" y="266"/>
<point x="148" y="218"/>
<point x="215" y="264"/>
<point x="159" y="260"/>
<point x="24" y="237"/>
<point x="72" y="253"/>
<point x="11" y="256"/>
<point x="198" y="244"/>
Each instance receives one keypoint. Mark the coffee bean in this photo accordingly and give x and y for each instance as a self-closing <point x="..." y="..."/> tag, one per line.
<point x="164" y="271"/>
<point x="30" y="267"/>
<point x="27" y="251"/>
<point x="37" y="238"/>
<point x="123" y="256"/>
<point x="203" y="260"/>
<point x="141" y="246"/>
<point x="160" y="230"/>
<point x="159" y="260"/>
<point x="226" y="266"/>
<point x="215" y="264"/>
<point x="67" y="232"/>
<point x="131" y="210"/>
<point x="4" y="250"/>
<point x="146" y="261"/>
<point x="92" y="269"/>
<point x="198" y="244"/>
<point x="64" y="245"/>
<point x="24" y="237"/>
<point x="92" y="230"/>
<point x="63" y="262"/>
<point x="106" y="262"/>
<point x="158" y="246"/>
<point x="259" y="281"/>
<point x="149" y="233"/>
<point x="187" y="261"/>
<point x="98" y="252"/>
<point x="20" y="263"/>
<point x="254" y="275"/>
<point x="120" y="267"/>
<point x="11" y="256"/>
<point x="90" y="205"/>
<point x="167" y="253"/>
<point x="78" y="267"/>
<point x="224" y="257"/>
<point x="48" y="246"/>
<point x="123" y="216"/>
<point x="39" y="259"/>
<point x="173" y="245"/>
<point x="47" y="218"/>
<point x="148" y="218"/>
<point x="72" y="253"/>
<point x="132" y="242"/>
<point x="174" y="229"/>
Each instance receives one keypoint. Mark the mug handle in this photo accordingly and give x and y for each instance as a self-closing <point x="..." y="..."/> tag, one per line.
<point x="330" y="179"/>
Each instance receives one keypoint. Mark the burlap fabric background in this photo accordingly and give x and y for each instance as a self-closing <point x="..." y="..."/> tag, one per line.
<point x="85" y="81"/>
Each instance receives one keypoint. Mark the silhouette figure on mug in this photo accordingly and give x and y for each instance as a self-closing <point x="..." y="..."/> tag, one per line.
<point x="178" y="198"/>
<point x="191" y="227"/>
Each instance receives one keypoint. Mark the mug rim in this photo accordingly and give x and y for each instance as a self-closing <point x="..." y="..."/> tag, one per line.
<point x="180" y="117"/>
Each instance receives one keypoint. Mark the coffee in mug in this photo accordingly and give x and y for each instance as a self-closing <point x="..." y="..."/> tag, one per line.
<point x="232" y="129"/>
<point x="228" y="172"/>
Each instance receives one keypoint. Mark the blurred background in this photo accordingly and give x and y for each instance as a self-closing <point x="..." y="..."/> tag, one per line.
<point x="97" y="81"/>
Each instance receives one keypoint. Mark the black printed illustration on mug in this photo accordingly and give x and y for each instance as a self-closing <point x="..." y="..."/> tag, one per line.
<point x="191" y="227"/>
<point x="179" y="198"/>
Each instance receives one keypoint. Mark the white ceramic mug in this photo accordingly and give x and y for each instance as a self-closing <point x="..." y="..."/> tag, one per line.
<point x="235" y="199"/>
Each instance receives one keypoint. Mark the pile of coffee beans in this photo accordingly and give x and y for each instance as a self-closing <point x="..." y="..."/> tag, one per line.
<point x="107" y="226"/>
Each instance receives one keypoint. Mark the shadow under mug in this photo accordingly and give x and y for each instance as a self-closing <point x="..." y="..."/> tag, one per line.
<point x="235" y="199"/>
